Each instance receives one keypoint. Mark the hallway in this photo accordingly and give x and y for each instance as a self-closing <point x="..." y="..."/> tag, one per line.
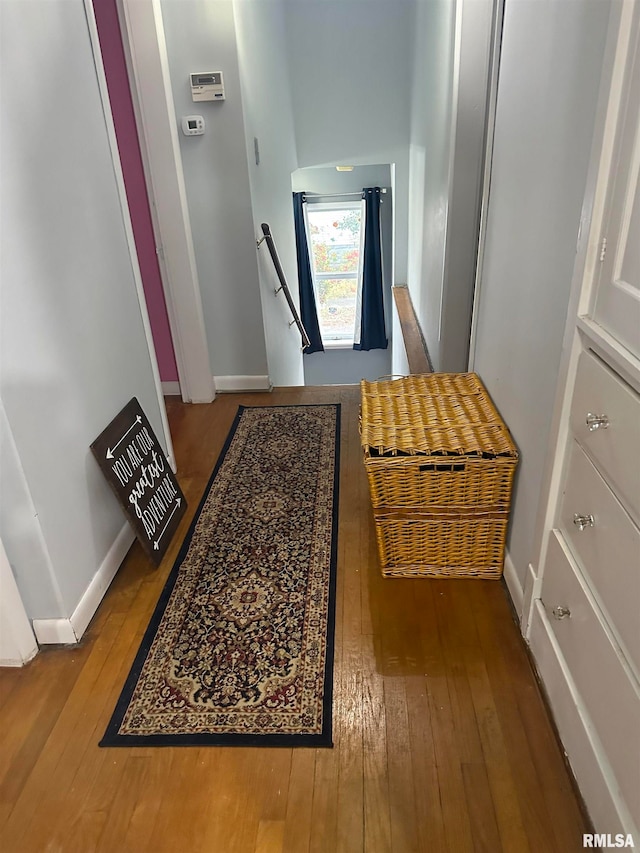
<point x="442" y="740"/>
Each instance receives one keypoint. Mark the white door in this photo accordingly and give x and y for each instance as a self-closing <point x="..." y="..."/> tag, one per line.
<point x="617" y="293"/>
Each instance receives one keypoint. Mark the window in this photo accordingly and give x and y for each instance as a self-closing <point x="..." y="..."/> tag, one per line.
<point x="335" y="233"/>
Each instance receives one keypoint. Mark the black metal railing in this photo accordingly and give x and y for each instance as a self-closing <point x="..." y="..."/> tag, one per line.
<point x="283" y="283"/>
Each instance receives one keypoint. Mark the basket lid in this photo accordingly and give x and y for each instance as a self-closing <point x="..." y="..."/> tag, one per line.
<point x="436" y="414"/>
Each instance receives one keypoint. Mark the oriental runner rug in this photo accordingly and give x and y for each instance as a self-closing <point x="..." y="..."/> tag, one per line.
<point x="239" y="651"/>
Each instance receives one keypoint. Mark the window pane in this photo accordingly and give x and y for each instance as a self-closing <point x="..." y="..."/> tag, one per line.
<point x="335" y="246"/>
<point x="337" y="307"/>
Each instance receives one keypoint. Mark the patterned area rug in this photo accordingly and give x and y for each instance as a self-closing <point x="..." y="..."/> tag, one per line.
<point x="240" y="648"/>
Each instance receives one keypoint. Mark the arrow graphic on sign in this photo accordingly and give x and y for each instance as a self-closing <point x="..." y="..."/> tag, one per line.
<point x="157" y="542"/>
<point x="111" y="449"/>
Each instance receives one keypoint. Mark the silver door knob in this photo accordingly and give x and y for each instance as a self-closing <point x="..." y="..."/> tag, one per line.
<point x="583" y="521"/>
<point x="561" y="612"/>
<point x="595" y="422"/>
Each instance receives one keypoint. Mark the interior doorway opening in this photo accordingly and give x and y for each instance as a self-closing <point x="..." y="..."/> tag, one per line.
<point x="335" y="233"/>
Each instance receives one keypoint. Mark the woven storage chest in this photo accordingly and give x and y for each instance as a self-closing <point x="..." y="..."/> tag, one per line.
<point x="440" y="464"/>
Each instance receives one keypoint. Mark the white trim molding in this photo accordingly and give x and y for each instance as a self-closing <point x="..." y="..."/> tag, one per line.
<point x="126" y="217"/>
<point x="54" y="632"/>
<point x="580" y="740"/>
<point x="513" y="583"/>
<point x="17" y="641"/>
<point x="90" y="601"/>
<point x="231" y="384"/>
<point x="532" y="587"/>
<point x="70" y="631"/>
<point x="143" y="34"/>
<point x="16" y="662"/>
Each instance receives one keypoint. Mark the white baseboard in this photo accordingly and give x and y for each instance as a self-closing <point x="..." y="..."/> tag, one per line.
<point x="229" y="384"/>
<point x="19" y="661"/>
<point x="68" y="631"/>
<point x="513" y="583"/>
<point x="532" y="586"/>
<point x="83" y="614"/>
<point x="53" y="632"/>
<point x="580" y="741"/>
<point x="170" y="389"/>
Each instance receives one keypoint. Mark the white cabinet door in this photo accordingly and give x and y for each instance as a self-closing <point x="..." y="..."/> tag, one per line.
<point x="617" y="304"/>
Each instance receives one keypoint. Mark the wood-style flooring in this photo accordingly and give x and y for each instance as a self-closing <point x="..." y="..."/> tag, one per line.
<point x="442" y="740"/>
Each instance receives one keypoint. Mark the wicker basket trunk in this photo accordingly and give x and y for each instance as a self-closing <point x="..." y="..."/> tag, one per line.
<point x="440" y="463"/>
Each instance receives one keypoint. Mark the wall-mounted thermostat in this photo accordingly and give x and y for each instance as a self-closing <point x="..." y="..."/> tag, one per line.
<point x="207" y="86"/>
<point x="192" y="125"/>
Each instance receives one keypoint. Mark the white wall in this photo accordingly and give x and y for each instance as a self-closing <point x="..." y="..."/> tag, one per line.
<point x="448" y="122"/>
<point x="430" y="155"/>
<point x="73" y="347"/>
<point x="346" y="367"/>
<point x="350" y="75"/>
<point x="549" y="75"/>
<point x="350" y="67"/>
<point x="200" y="36"/>
<point x="268" y="116"/>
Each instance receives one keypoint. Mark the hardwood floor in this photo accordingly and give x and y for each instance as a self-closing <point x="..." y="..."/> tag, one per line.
<point x="442" y="741"/>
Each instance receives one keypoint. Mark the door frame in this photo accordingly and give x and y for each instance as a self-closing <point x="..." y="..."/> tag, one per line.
<point x="147" y="63"/>
<point x="126" y="218"/>
<point x="490" y="126"/>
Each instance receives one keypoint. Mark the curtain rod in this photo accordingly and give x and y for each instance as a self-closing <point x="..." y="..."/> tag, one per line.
<point x="333" y="195"/>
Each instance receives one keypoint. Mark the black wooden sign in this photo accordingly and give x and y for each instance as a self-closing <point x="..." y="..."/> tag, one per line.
<point x="135" y="466"/>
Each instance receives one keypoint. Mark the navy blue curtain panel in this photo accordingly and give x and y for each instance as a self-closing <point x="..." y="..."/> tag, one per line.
<point x="372" y="329"/>
<point x="308" y="312"/>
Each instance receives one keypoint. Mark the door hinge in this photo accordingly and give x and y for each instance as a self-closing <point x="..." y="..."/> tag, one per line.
<point x="603" y="249"/>
<point x="160" y="252"/>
